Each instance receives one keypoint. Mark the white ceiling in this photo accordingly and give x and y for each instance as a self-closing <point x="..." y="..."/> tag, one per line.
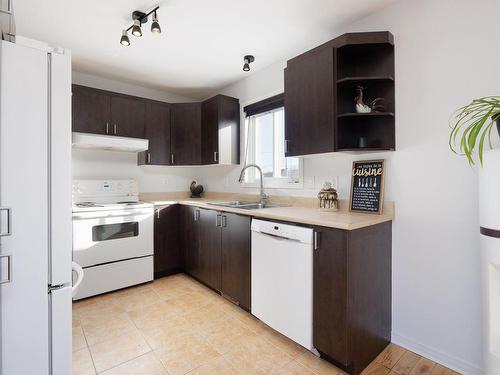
<point x="202" y="44"/>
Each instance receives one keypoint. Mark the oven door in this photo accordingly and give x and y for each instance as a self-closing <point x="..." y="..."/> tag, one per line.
<point x="108" y="236"/>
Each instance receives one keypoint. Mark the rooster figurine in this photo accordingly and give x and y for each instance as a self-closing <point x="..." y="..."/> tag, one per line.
<point x="196" y="190"/>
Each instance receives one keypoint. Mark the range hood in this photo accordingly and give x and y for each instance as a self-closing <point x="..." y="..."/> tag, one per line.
<point x="109" y="142"/>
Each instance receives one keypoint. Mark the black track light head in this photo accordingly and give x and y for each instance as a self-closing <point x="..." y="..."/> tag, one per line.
<point x="125" y="41"/>
<point x="136" y="29"/>
<point x="247" y="60"/>
<point x="155" y="26"/>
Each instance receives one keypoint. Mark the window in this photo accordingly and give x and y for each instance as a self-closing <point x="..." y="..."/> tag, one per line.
<point x="266" y="148"/>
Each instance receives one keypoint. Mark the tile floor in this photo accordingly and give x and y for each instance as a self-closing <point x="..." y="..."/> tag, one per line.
<point x="176" y="326"/>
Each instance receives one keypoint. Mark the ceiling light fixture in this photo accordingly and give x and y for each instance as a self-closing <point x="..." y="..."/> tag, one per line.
<point x="155" y="26"/>
<point x="125" y="41"/>
<point x="140" y="18"/>
<point x="247" y="60"/>
<point x="136" y="29"/>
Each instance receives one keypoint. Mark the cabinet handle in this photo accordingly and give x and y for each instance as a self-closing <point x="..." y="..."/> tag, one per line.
<point x="8" y="215"/>
<point x="224" y="221"/>
<point x="286" y="146"/>
<point x="107" y="128"/>
<point x="158" y="213"/>
<point x="149" y="158"/>
<point x="196" y="215"/>
<point x="7" y="279"/>
<point x="217" y="220"/>
<point x="115" y="128"/>
<point x="215" y="156"/>
<point x="317" y="240"/>
<point x="172" y="159"/>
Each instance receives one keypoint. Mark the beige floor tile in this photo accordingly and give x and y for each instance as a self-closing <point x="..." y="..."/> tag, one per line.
<point x="292" y="368"/>
<point x="283" y="343"/>
<point x="206" y="317"/>
<point x="423" y="366"/>
<point x="153" y="315"/>
<point x="167" y="331"/>
<point x="138" y="299"/>
<point x="406" y="363"/>
<point x="441" y="370"/>
<point x="82" y="363"/>
<point x="318" y="365"/>
<point x="116" y="351"/>
<point x="257" y="356"/>
<point x="78" y="338"/>
<point x="376" y="369"/>
<point x="229" y="333"/>
<point x="147" y="364"/>
<point x="184" y="354"/>
<point x="390" y="356"/>
<point x="97" y="333"/>
<point x="216" y="366"/>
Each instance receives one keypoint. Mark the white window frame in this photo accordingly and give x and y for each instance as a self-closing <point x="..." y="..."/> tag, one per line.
<point x="251" y="178"/>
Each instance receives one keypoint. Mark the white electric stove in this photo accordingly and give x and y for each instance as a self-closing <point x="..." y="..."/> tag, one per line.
<point x="112" y="235"/>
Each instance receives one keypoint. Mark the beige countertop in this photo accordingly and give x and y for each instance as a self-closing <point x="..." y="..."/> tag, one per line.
<point x="301" y="210"/>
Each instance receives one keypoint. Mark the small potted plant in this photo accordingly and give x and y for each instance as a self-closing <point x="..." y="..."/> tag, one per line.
<point x="472" y="125"/>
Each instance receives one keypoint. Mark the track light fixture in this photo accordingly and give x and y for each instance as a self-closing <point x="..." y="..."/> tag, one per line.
<point x="155" y="26"/>
<point x="125" y="41"/>
<point x="247" y="60"/>
<point x="140" y="18"/>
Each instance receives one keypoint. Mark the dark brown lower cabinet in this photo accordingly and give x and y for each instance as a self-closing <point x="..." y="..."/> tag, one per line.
<point x="217" y="251"/>
<point x="352" y="294"/>
<point x="236" y="258"/>
<point x="209" y="248"/>
<point x="167" y="257"/>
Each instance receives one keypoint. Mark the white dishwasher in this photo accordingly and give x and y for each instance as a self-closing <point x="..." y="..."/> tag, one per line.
<point x="282" y="279"/>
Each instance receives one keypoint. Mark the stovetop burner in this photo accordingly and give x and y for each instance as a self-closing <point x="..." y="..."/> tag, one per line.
<point x="128" y="202"/>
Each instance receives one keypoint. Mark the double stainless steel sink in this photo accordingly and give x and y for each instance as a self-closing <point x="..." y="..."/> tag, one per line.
<point x="246" y="205"/>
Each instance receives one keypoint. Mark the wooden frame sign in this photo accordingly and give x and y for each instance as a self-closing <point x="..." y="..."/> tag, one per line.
<point x="367" y="186"/>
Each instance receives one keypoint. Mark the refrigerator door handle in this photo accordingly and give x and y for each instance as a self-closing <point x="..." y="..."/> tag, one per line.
<point x="8" y="279"/>
<point x="79" y="277"/>
<point x="8" y="213"/>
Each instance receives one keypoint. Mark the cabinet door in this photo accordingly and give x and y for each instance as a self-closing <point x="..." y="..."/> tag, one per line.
<point x="210" y="249"/>
<point x="185" y="133"/>
<point x="309" y="103"/>
<point x="128" y="115"/>
<point x="330" y="294"/>
<point x="91" y="110"/>
<point x="210" y="131"/>
<point x="158" y="134"/>
<point x="190" y="240"/>
<point x="236" y="261"/>
<point x="167" y="256"/>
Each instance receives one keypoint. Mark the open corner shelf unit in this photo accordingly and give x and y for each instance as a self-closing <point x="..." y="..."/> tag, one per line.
<point x="369" y="64"/>
<point x="320" y="90"/>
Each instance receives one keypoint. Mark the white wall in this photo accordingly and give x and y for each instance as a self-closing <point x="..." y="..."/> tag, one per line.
<point x="111" y="164"/>
<point x="446" y="54"/>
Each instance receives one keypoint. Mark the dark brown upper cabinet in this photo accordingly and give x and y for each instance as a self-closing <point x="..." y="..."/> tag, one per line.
<point x="157" y="131"/>
<point x="127" y="115"/>
<point x="352" y="294"/>
<point x="185" y="133"/>
<point x="320" y="87"/>
<point x="91" y="110"/>
<point x="220" y="132"/>
<point x="103" y="112"/>
<point x="309" y="103"/>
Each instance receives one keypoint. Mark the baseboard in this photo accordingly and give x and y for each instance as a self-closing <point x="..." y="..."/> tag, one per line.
<point x="450" y="361"/>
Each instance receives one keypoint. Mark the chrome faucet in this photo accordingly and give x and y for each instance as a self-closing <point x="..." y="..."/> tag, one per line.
<point x="263" y="196"/>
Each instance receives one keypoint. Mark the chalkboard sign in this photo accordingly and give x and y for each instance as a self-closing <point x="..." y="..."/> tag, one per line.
<point x="367" y="186"/>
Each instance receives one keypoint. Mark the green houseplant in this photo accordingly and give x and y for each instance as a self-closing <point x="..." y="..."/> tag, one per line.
<point x="472" y="125"/>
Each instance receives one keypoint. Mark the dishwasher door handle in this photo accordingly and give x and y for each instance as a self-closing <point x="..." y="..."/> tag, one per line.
<point x="279" y="238"/>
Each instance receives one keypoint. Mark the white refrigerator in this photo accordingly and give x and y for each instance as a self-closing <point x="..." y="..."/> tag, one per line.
<point x="35" y="208"/>
<point x="489" y="218"/>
